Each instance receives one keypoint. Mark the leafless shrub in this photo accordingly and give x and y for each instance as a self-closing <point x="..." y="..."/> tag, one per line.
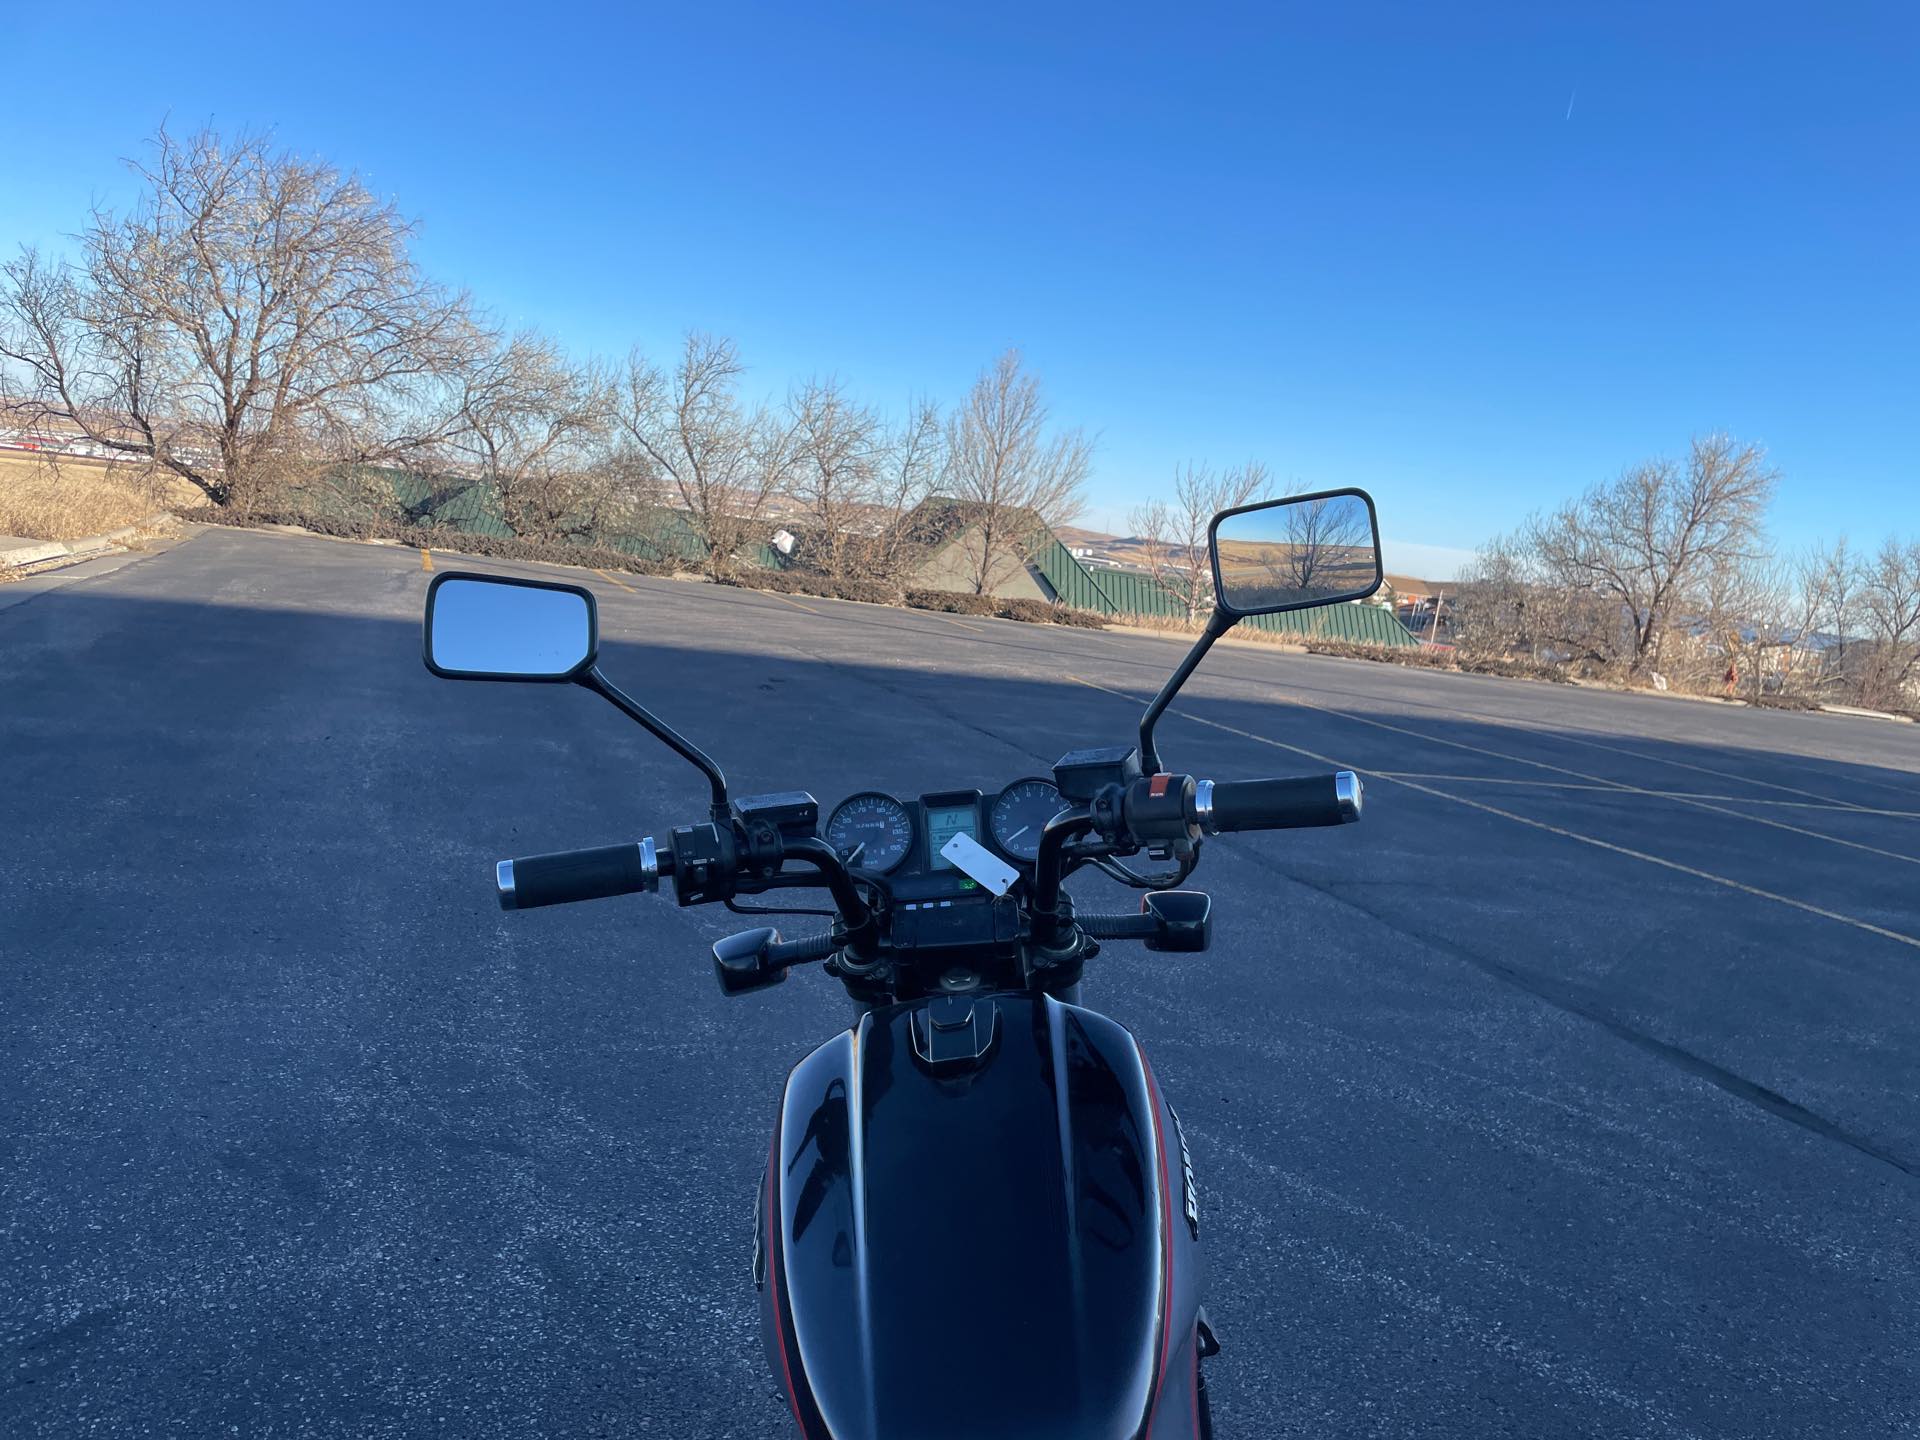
<point x="810" y="582"/>
<point x="953" y="602"/>
<point x="437" y="538"/>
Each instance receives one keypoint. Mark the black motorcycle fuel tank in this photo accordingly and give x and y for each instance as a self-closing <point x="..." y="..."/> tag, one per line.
<point x="977" y="1221"/>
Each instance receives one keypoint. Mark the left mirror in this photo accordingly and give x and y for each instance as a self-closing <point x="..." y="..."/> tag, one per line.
<point x="489" y="627"/>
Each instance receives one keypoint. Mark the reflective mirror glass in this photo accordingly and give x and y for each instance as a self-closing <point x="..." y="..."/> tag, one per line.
<point x="1295" y="553"/>
<point x="501" y="630"/>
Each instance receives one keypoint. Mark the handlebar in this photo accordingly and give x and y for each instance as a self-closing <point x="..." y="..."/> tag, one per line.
<point x="801" y="952"/>
<point x="567" y="875"/>
<point x="1293" y="803"/>
<point x="1157" y="809"/>
<point x="1108" y="926"/>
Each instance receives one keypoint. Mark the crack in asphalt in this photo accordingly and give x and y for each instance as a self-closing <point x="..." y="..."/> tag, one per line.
<point x="1568" y="998"/>
<point x="1572" y="1000"/>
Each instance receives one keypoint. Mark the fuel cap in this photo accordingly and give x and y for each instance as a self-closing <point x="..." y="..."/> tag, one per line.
<point x="955" y="1032"/>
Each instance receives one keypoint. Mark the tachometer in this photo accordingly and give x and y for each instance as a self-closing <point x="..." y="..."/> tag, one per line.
<point x="1021" y="812"/>
<point x="879" y="822"/>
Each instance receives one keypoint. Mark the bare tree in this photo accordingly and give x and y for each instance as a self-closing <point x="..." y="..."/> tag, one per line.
<point x="912" y="468"/>
<point x="1329" y="544"/>
<point x="1890" y="606"/>
<point x="532" y="426"/>
<point x="1829" y="579"/>
<point x="1173" y="537"/>
<point x="1505" y="606"/>
<point x="839" y="450"/>
<point x="1831" y="575"/>
<point x="252" y="306"/>
<point x="1754" y="630"/>
<point x="1490" y="602"/>
<point x="1647" y="543"/>
<point x="1010" y="473"/>
<point x="719" y="460"/>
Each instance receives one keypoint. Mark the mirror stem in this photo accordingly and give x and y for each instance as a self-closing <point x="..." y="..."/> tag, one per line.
<point x="605" y="688"/>
<point x="1217" y="625"/>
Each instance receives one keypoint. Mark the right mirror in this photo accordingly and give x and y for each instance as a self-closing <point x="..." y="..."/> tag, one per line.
<point x="1295" y="553"/>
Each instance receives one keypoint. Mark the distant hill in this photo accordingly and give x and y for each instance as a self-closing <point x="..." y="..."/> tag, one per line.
<point x="1129" y="550"/>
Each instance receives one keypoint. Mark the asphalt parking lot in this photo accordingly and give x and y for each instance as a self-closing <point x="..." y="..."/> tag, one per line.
<point x="1571" y="1094"/>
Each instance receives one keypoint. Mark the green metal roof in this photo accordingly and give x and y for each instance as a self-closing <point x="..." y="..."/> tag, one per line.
<point x="1129" y="592"/>
<point x="472" y="506"/>
<point x="1361" y="624"/>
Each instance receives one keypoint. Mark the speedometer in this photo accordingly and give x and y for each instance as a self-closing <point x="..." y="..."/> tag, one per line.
<point x="1021" y="812"/>
<point x="877" y="821"/>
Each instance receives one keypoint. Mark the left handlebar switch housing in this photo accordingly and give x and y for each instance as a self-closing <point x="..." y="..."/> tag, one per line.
<point x="706" y="863"/>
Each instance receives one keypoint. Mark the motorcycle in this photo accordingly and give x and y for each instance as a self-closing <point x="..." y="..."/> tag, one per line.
<point x="979" y="1213"/>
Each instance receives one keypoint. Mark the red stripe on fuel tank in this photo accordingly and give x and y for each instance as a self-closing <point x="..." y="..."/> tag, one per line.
<point x="1166" y="1245"/>
<point x="774" y="1270"/>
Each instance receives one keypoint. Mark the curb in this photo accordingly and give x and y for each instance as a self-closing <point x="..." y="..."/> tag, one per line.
<point x="1861" y="714"/>
<point x="42" y="551"/>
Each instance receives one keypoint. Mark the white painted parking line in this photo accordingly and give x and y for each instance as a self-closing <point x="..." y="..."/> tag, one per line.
<point x="1837" y="807"/>
<point x="1660" y="860"/>
<point x="1603" y="781"/>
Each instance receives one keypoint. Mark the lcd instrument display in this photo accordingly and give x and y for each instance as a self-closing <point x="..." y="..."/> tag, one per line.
<point x="943" y="823"/>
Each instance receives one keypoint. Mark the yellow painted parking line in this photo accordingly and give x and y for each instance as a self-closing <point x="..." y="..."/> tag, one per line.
<point x="791" y="601"/>
<point x="956" y="620"/>
<point x="426" y="558"/>
<point x="612" y="581"/>
<point x="1559" y="830"/>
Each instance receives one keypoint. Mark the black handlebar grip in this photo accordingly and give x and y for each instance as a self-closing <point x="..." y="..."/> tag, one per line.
<point x="536" y="880"/>
<point x="1122" y="926"/>
<point x="799" y="952"/>
<point x="1295" y="802"/>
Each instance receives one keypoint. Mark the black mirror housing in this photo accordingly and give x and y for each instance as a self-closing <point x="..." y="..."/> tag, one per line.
<point x="498" y="627"/>
<point x="1295" y="553"/>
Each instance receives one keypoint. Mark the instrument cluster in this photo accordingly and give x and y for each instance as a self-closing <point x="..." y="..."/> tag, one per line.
<point x="887" y="833"/>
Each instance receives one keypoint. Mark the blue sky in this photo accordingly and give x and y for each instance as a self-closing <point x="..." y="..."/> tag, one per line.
<point x="1471" y="257"/>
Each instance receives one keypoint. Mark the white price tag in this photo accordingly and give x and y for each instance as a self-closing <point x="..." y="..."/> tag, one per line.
<point x="979" y="864"/>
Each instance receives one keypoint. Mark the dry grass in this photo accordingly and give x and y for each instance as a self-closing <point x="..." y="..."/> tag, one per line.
<point x="41" y="500"/>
